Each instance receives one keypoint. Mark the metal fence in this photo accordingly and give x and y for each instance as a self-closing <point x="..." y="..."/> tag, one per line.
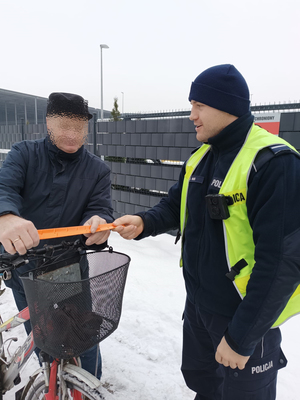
<point x="145" y="156"/>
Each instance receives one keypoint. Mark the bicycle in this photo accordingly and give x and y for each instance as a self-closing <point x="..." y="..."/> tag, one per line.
<point x="68" y="315"/>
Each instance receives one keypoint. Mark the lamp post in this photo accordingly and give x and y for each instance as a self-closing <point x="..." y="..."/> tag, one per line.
<point x="102" y="46"/>
<point x="122" y="102"/>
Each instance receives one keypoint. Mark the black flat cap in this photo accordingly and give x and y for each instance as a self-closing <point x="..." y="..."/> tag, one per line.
<point x="67" y="104"/>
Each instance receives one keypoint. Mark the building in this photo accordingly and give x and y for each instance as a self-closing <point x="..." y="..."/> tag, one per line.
<point x="21" y="108"/>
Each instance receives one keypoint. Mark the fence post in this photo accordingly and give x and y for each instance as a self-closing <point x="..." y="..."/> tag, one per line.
<point x="95" y="134"/>
<point x="22" y="129"/>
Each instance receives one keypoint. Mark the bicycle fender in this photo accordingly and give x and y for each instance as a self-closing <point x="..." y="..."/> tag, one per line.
<point x="30" y="382"/>
<point x="82" y="375"/>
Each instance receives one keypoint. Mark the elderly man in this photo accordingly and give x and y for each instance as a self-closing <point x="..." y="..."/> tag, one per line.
<point x="235" y="203"/>
<point x="54" y="182"/>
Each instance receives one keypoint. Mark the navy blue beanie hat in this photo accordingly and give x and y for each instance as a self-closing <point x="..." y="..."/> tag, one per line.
<point x="222" y="87"/>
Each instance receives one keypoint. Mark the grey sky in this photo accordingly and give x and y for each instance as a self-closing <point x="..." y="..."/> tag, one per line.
<point x="156" y="48"/>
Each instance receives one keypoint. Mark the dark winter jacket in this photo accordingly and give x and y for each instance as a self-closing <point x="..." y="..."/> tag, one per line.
<point x="54" y="189"/>
<point x="272" y="206"/>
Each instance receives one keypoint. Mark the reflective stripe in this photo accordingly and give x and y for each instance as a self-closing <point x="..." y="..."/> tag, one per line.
<point x="191" y="165"/>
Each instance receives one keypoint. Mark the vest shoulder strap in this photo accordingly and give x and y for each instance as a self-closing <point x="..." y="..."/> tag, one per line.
<point x="278" y="148"/>
<point x="269" y="152"/>
<point x="263" y="157"/>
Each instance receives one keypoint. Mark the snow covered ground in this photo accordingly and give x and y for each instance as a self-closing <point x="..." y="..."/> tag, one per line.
<point x="141" y="359"/>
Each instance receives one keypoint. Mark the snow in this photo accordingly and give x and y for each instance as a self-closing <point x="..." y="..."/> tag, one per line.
<point x="141" y="359"/>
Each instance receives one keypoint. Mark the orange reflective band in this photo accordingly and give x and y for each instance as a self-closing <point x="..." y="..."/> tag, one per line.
<point x="71" y="231"/>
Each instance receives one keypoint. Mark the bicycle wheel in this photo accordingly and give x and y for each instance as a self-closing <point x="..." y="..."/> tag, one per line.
<point x="76" y="389"/>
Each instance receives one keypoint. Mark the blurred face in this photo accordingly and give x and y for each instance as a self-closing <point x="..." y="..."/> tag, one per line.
<point x="67" y="133"/>
<point x="209" y="121"/>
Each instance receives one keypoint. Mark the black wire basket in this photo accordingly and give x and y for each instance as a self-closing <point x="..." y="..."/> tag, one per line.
<point x="78" y="303"/>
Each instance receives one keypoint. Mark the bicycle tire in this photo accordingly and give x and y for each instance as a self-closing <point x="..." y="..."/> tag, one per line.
<point x="37" y="389"/>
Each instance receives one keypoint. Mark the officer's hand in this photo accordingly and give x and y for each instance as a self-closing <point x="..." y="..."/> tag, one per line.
<point x="96" y="237"/>
<point x="129" y="226"/>
<point x="228" y="357"/>
<point x="17" y="234"/>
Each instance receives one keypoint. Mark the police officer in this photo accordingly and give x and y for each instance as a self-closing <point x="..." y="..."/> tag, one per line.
<point x="235" y="204"/>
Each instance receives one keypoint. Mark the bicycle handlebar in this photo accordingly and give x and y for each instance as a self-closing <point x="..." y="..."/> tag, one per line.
<point x="12" y="261"/>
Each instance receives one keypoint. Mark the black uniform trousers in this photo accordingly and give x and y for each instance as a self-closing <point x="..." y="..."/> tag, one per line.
<point x="202" y="333"/>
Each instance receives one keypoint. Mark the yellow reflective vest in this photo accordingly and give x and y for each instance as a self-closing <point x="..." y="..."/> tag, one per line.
<point x="237" y="229"/>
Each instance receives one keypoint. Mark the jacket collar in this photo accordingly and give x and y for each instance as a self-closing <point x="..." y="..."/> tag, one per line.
<point x="233" y="136"/>
<point x="55" y="151"/>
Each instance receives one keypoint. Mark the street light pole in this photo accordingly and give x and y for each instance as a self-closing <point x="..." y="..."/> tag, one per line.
<point x="122" y="102"/>
<point x="102" y="46"/>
